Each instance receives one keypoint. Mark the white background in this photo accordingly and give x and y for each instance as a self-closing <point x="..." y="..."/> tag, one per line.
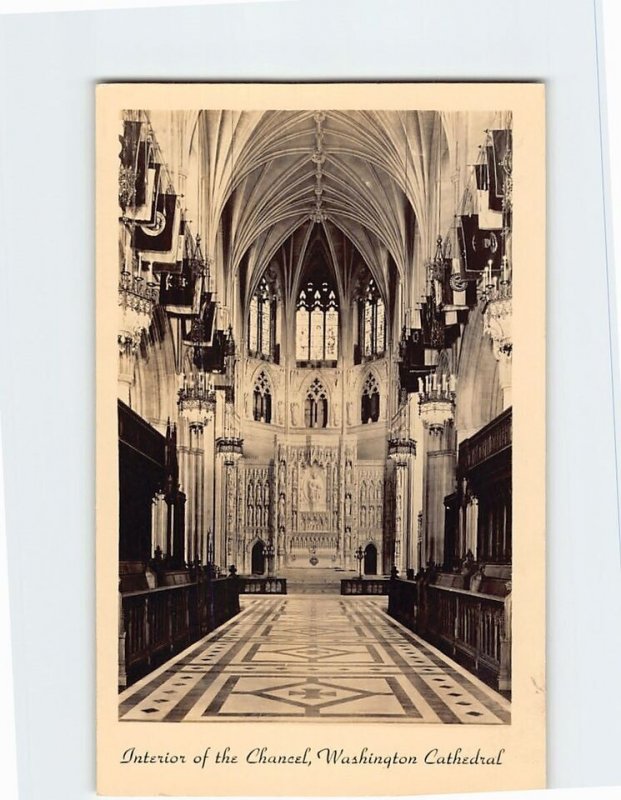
<point x="48" y="67"/>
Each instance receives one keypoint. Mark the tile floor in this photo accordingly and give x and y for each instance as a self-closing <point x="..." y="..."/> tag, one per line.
<point x="312" y="657"/>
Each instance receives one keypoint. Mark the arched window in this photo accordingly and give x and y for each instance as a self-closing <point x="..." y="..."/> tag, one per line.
<point x="316" y="406"/>
<point x="370" y="400"/>
<point x="262" y="399"/>
<point x="372" y="322"/>
<point x="317" y="322"/>
<point x="261" y="321"/>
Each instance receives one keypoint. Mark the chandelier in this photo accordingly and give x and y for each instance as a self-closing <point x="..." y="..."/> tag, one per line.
<point x="437" y="266"/>
<point x="497" y="297"/>
<point x="197" y="401"/>
<point x="400" y="448"/>
<point x="494" y="288"/>
<point x="436" y="401"/>
<point x="137" y="299"/>
<point x="231" y="447"/>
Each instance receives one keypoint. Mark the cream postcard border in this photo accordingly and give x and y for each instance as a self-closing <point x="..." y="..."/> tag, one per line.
<point x="523" y="740"/>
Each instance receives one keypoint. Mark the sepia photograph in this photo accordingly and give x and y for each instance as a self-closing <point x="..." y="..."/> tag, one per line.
<point x="313" y="461"/>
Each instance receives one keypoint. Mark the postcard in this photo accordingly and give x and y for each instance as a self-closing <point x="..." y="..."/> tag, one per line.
<point x="320" y="457"/>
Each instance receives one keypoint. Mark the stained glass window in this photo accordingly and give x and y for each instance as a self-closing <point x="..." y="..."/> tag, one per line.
<point x="317" y="322"/>
<point x="253" y="337"/>
<point x="302" y="334"/>
<point x="368" y="328"/>
<point x="316" y="338"/>
<point x="380" y="321"/>
<point x="372" y="322"/>
<point x="332" y="334"/>
<point x="261" y="321"/>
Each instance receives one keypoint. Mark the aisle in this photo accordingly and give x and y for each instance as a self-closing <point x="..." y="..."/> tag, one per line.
<point x="312" y="657"/>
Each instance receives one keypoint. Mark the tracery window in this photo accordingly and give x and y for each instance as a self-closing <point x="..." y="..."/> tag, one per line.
<point x="262" y="399"/>
<point x="372" y="321"/>
<point x="370" y="400"/>
<point x="261" y="321"/>
<point x="317" y="322"/>
<point x="316" y="406"/>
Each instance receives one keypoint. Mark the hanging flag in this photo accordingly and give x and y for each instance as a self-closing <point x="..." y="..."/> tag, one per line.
<point x="498" y="156"/>
<point x="143" y="157"/>
<point x="481" y="176"/>
<point x="173" y="261"/>
<point x="145" y="214"/>
<point x="207" y="313"/>
<point x="128" y="156"/>
<point x="177" y="291"/>
<point x="478" y="247"/>
<point x="129" y="143"/>
<point x="489" y="219"/>
<point x="159" y="242"/>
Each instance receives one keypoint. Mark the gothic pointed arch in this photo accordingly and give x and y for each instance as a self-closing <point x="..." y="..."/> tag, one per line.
<point x="261" y="317"/>
<point x="370" y="399"/>
<point x="262" y="398"/>
<point x="371" y="328"/>
<point x="317" y="308"/>
<point x="316" y="405"/>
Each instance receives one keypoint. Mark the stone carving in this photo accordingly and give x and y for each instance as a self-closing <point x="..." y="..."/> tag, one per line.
<point x="313" y="488"/>
<point x="314" y="521"/>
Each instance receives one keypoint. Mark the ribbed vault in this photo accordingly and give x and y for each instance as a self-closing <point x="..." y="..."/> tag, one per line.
<point x="259" y="186"/>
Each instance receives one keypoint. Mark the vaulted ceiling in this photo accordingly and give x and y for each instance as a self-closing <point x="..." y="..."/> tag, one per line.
<point x="270" y="177"/>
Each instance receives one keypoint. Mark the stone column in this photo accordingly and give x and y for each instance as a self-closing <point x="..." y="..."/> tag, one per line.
<point x="439" y="481"/>
<point x="240" y="516"/>
<point x="401" y="494"/>
<point x="212" y="471"/>
<point x="187" y="481"/>
<point x="280" y="510"/>
<point x="230" y="510"/>
<point x="411" y="561"/>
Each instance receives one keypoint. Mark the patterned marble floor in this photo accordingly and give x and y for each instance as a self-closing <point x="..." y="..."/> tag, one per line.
<point x="312" y="657"/>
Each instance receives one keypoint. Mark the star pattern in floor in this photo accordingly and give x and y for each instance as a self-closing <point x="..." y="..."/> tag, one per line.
<point x="313" y="658"/>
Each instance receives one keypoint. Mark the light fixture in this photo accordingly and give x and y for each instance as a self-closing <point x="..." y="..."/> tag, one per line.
<point x="436" y="267"/>
<point x="197" y="400"/>
<point x="400" y="448"/>
<point x="436" y="401"/>
<point x="137" y="299"/>
<point x="231" y="447"/>
<point x="497" y="296"/>
<point x="359" y="556"/>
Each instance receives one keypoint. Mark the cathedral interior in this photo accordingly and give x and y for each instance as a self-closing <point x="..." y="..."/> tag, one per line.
<point x="314" y="385"/>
